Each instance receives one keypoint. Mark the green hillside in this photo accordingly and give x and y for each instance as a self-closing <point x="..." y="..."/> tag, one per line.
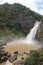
<point x="35" y="58"/>
<point x="16" y="19"/>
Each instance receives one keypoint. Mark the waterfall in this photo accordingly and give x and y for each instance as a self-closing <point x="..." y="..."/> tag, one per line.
<point x="31" y="36"/>
<point x="33" y="31"/>
<point x="8" y="63"/>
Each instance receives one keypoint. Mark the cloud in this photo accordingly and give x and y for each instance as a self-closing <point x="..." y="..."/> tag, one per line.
<point x="35" y="5"/>
<point x="39" y="6"/>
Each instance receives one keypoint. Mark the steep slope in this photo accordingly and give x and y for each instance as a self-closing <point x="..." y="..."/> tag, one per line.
<point x="16" y="19"/>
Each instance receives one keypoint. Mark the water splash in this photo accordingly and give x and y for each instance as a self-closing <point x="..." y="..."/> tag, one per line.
<point x="8" y="63"/>
<point x="30" y="38"/>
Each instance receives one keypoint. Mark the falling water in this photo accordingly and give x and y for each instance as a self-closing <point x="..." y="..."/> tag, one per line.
<point x="31" y="36"/>
<point x="8" y="63"/>
<point x="33" y="31"/>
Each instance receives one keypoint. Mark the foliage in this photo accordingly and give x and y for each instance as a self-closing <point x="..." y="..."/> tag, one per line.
<point x="17" y="18"/>
<point x="35" y="58"/>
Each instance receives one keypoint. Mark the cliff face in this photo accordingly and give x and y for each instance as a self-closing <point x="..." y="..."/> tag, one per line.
<point x="27" y="24"/>
<point x="39" y="35"/>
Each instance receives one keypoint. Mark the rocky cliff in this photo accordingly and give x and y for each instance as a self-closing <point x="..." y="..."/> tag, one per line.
<point x="39" y="35"/>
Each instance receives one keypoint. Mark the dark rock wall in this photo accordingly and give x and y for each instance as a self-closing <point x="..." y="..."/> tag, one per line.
<point x="39" y="35"/>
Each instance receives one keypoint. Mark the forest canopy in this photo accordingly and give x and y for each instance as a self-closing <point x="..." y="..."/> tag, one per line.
<point x="16" y="19"/>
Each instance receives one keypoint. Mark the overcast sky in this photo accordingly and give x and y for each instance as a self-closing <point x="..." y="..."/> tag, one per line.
<point x="35" y="5"/>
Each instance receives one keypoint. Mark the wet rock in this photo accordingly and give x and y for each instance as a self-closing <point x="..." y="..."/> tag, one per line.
<point x="16" y="52"/>
<point x="4" y="57"/>
<point x="19" y="62"/>
<point x="3" y="54"/>
<point x="26" y="53"/>
<point x="22" y="58"/>
<point x="13" y="58"/>
<point x="39" y="35"/>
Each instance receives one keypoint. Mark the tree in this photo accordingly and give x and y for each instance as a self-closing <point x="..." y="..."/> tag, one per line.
<point x="35" y="58"/>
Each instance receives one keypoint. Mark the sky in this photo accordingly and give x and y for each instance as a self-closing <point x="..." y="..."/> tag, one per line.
<point x="34" y="5"/>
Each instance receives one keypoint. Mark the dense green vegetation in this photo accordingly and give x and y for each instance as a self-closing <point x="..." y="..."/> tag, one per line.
<point x="35" y="58"/>
<point x="16" y="19"/>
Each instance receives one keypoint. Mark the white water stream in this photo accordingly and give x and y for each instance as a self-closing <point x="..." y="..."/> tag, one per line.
<point x="8" y="63"/>
<point x="31" y="36"/>
<point x="33" y="32"/>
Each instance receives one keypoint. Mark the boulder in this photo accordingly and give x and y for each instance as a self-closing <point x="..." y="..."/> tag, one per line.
<point x="19" y="62"/>
<point x="13" y="58"/>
